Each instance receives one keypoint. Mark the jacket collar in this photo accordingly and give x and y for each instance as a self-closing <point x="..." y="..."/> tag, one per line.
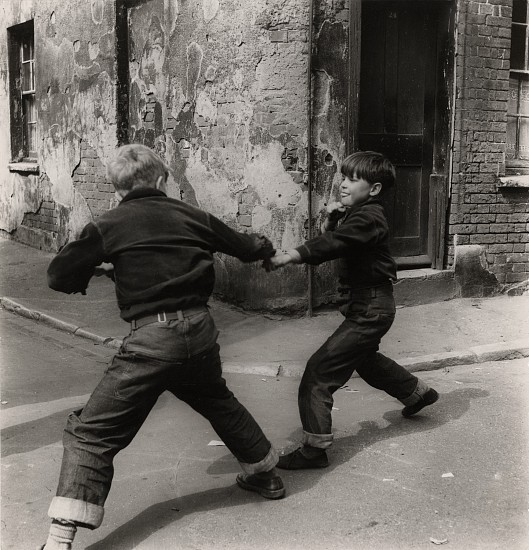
<point x="370" y="200"/>
<point x="141" y="193"/>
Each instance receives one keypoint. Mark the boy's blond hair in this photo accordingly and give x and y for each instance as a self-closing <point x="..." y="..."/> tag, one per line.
<point x="134" y="166"/>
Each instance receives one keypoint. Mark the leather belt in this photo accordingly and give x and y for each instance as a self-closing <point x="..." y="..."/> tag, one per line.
<point x="163" y="316"/>
<point x="369" y="291"/>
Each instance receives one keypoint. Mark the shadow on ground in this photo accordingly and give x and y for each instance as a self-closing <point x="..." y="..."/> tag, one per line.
<point x="450" y="407"/>
<point x="29" y="436"/>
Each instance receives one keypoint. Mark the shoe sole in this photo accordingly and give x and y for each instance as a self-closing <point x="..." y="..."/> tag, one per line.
<point x="408" y="415"/>
<point x="272" y="494"/>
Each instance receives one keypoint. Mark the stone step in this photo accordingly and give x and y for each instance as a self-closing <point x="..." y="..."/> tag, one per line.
<point x="424" y="286"/>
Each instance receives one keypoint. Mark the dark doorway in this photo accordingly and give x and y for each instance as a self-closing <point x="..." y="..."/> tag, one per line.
<point x="397" y="111"/>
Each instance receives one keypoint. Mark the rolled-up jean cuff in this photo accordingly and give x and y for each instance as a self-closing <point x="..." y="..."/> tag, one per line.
<point x="265" y="465"/>
<point x="320" y="441"/>
<point x="417" y="394"/>
<point x="78" y="511"/>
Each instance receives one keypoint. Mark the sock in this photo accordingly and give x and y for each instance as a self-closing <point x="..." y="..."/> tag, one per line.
<point x="421" y="389"/>
<point x="311" y="452"/>
<point x="60" y="536"/>
<point x="416" y="395"/>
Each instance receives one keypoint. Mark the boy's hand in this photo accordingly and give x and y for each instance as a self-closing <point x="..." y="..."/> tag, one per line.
<point x="282" y="259"/>
<point x="335" y="211"/>
<point x="103" y="269"/>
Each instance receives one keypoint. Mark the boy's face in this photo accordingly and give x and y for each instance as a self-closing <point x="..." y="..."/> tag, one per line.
<point x="355" y="191"/>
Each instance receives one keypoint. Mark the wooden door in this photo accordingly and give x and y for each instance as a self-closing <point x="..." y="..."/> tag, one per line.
<point x="397" y="112"/>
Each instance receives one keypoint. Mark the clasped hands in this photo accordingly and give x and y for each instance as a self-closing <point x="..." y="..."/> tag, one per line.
<point x="281" y="259"/>
<point x="335" y="211"/>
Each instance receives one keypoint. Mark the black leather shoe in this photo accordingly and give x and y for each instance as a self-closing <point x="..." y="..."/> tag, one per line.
<point x="297" y="461"/>
<point x="431" y="396"/>
<point x="266" y="487"/>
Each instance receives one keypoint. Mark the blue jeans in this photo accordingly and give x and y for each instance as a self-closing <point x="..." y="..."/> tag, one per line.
<point x="369" y="314"/>
<point x="180" y="356"/>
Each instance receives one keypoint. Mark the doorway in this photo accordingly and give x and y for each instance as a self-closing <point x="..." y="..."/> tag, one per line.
<point x="397" y="111"/>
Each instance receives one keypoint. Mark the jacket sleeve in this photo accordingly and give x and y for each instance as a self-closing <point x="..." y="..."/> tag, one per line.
<point x="245" y="247"/>
<point x="72" y="268"/>
<point x="356" y="232"/>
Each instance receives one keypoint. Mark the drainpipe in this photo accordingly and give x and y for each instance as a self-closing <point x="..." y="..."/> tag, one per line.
<point x="310" y="281"/>
<point x="458" y="7"/>
<point x="122" y="72"/>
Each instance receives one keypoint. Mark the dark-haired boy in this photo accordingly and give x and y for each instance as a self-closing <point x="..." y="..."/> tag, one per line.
<point x="366" y="273"/>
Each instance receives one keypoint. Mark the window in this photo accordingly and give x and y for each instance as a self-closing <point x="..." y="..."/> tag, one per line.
<point x="22" y="93"/>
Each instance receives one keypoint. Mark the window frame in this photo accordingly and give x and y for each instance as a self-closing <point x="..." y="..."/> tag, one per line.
<point x="22" y="93"/>
<point x="521" y="76"/>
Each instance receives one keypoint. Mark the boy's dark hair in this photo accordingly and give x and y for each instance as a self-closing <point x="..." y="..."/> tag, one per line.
<point x="370" y="166"/>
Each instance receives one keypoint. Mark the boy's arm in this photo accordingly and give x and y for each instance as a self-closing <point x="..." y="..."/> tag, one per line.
<point x="359" y="230"/>
<point x="72" y="268"/>
<point x="246" y="247"/>
<point x="335" y="212"/>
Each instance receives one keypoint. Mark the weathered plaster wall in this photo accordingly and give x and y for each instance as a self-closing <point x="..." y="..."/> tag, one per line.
<point x="18" y="193"/>
<point x="74" y="59"/>
<point x="75" y="41"/>
<point x="219" y="90"/>
<point x="330" y="113"/>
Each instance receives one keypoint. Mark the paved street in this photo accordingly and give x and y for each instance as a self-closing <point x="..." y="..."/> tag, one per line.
<point x="458" y="472"/>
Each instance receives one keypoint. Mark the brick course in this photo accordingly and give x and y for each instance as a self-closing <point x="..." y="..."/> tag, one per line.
<point x="480" y="212"/>
<point x="89" y="178"/>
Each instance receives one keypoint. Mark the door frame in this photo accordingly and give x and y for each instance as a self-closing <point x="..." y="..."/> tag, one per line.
<point x="444" y="102"/>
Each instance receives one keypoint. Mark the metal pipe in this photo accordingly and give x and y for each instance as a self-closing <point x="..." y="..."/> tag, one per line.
<point x="310" y="274"/>
<point x="458" y="7"/>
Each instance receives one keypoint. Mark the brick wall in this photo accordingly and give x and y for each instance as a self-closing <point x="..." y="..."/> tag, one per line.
<point x="46" y="227"/>
<point x="482" y="212"/>
<point x="46" y="218"/>
<point x="41" y="226"/>
<point x="89" y="178"/>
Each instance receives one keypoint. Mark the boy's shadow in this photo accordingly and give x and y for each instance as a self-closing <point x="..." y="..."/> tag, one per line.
<point x="451" y="406"/>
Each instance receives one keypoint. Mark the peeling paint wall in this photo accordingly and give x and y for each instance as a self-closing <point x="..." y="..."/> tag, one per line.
<point x="18" y="193"/>
<point x="330" y="114"/>
<point x="75" y="91"/>
<point x="219" y="89"/>
<point x="74" y="59"/>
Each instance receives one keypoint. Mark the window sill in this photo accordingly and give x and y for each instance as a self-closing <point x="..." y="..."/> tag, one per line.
<point x="24" y="167"/>
<point x="514" y="181"/>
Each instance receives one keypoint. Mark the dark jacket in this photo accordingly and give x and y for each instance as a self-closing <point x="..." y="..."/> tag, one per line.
<point x="361" y="243"/>
<point x="162" y="252"/>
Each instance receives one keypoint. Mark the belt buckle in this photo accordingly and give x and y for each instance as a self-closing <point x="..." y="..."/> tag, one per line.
<point x="162" y="317"/>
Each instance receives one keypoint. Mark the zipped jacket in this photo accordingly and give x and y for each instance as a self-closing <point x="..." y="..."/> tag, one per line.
<point x="162" y="252"/>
